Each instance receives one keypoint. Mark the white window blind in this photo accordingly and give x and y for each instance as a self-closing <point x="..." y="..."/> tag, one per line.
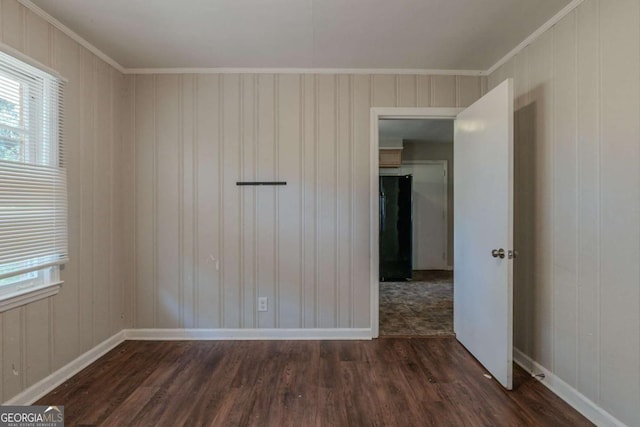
<point x="33" y="189"/>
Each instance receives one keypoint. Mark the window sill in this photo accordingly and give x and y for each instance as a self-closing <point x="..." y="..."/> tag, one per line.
<point x="27" y="296"/>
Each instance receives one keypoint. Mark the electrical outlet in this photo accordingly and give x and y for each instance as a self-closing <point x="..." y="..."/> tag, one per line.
<point x="262" y="304"/>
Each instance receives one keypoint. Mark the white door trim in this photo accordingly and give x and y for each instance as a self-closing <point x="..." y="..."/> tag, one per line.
<point x="445" y="181"/>
<point x="376" y="114"/>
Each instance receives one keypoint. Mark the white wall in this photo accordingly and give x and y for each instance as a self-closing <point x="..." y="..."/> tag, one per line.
<point x="92" y="305"/>
<point x="426" y="150"/>
<point x="577" y="293"/>
<point x="305" y="246"/>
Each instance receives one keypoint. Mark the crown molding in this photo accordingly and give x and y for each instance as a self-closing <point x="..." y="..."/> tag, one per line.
<point x="537" y="33"/>
<point x="248" y="70"/>
<point x="223" y="70"/>
<point x="69" y="32"/>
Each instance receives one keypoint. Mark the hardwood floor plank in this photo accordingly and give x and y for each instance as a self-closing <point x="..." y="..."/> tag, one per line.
<point x="131" y="407"/>
<point x="215" y="400"/>
<point x="399" y="382"/>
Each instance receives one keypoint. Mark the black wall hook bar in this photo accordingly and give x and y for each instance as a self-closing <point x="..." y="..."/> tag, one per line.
<point x="261" y="183"/>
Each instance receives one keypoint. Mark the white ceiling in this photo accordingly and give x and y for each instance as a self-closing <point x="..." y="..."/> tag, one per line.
<point x="398" y="34"/>
<point x="430" y="130"/>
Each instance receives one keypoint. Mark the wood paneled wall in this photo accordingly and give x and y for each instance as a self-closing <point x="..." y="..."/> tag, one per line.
<point x="206" y="249"/>
<point x="577" y="294"/>
<point x="41" y="337"/>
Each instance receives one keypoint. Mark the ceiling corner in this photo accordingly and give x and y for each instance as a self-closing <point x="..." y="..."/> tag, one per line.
<point x="537" y="33"/>
<point x="75" y="36"/>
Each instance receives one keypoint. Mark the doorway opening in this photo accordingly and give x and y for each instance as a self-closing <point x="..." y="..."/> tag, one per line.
<point x="415" y="298"/>
<point x="483" y="221"/>
<point x="416" y="227"/>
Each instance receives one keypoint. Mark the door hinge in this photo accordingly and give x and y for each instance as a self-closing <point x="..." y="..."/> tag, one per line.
<point x="512" y="254"/>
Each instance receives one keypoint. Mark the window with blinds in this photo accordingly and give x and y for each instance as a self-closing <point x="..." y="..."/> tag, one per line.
<point x="33" y="188"/>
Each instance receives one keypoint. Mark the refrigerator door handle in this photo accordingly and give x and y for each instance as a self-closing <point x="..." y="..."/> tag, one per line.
<point x="383" y="212"/>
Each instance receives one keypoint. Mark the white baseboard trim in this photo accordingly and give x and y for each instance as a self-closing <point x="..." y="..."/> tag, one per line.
<point x="45" y="385"/>
<point x="248" y="334"/>
<point x="573" y="397"/>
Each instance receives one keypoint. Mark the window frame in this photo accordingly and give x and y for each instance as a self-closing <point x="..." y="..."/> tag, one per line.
<point x="41" y="119"/>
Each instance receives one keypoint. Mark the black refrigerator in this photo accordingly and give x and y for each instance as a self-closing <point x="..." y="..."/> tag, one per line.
<point x="396" y="222"/>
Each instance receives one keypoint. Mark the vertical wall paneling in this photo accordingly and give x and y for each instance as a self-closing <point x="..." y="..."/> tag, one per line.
<point x="87" y="199"/>
<point x="248" y="162"/>
<point x="541" y="61"/>
<point x="337" y="202"/>
<point x="275" y="302"/>
<point x="118" y="265"/>
<point x="565" y="198"/>
<point x="266" y="200"/>
<point x="302" y="186"/>
<point x="182" y="286"/>
<point x="101" y="194"/>
<point x="406" y="91"/>
<point x="12" y="350"/>
<point x="484" y="84"/>
<point x="303" y="246"/>
<point x="37" y="34"/>
<point x="289" y="214"/>
<point x="524" y="197"/>
<point x="188" y="202"/>
<point x="620" y="208"/>
<point x="327" y="201"/>
<point x="468" y="90"/>
<point x="309" y="179"/>
<point x="43" y="336"/>
<point x="443" y="91"/>
<point x="113" y="280"/>
<point x="577" y="301"/>
<point x="231" y="226"/>
<point x="66" y="308"/>
<point x="13" y="24"/>
<point x="384" y="91"/>
<point x="168" y="197"/>
<point x="588" y="190"/>
<point x="423" y="91"/>
<point x="352" y="200"/>
<point x="37" y="342"/>
<point x="362" y="103"/>
<point x="343" y="195"/>
<point x="128" y="201"/>
<point x="208" y="196"/>
<point x="144" y="230"/>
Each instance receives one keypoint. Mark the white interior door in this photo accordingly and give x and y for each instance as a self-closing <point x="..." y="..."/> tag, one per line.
<point x="429" y="214"/>
<point x="483" y="231"/>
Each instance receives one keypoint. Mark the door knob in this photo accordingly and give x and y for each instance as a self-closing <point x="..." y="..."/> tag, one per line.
<point x="498" y="253"/>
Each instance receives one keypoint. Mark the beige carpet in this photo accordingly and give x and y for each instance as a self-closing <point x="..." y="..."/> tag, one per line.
<point x="422" y="307"/>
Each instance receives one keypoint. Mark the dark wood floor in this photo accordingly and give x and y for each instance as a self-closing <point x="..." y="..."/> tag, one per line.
<point x="385" y="382"/>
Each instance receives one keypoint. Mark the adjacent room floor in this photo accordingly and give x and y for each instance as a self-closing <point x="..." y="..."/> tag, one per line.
<point x="422" y="307"/>
<point x="391" y="382"/>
